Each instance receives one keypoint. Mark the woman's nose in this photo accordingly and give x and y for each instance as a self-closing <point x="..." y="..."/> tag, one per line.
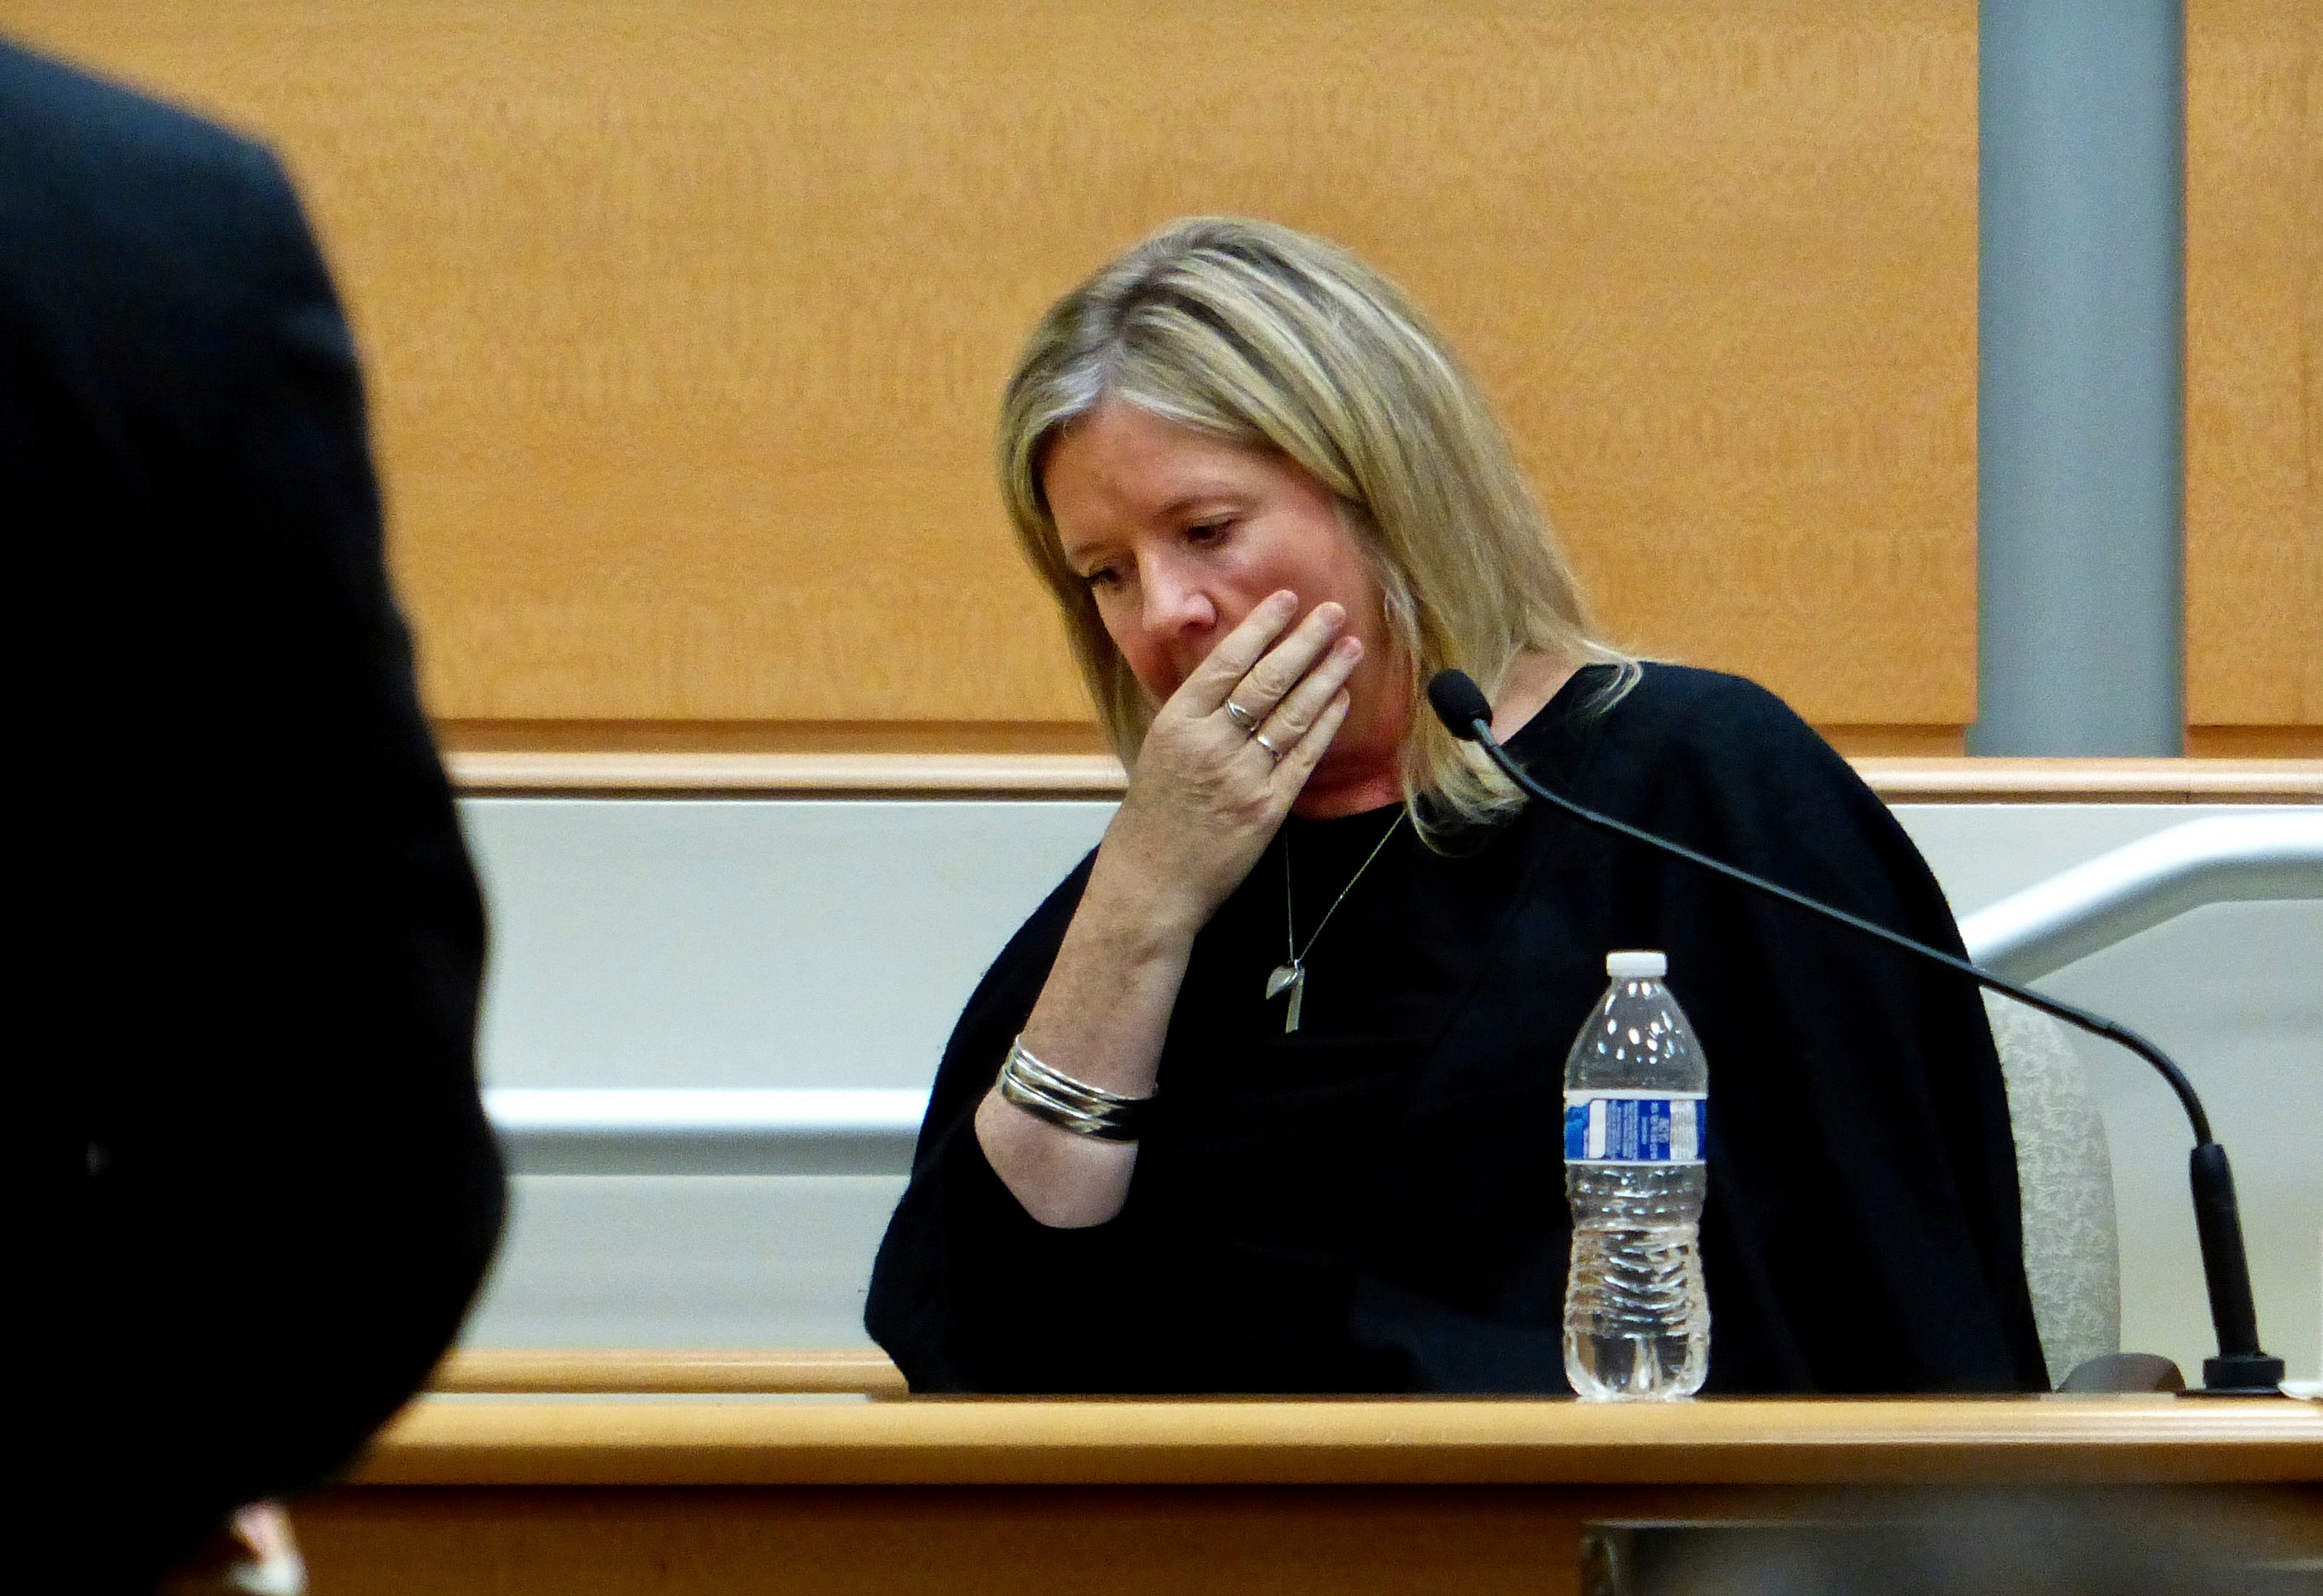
<point x="1175" y="604"/>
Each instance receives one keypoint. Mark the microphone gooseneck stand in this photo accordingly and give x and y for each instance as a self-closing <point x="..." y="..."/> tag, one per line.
<point x="2241" y="1368"/>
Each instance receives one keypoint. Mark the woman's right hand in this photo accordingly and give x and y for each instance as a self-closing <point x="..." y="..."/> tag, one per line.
<point x="1204" y="800"/>
<point x="1209" y="792"/>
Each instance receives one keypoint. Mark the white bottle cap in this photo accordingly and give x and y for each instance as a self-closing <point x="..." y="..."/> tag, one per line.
<point x="1636" y="965"/>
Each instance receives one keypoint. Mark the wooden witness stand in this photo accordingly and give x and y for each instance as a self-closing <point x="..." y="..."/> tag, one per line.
<point x="600" y="1472"/>
<point x="779" y="1471"/>
<point x="581" y="1473"/>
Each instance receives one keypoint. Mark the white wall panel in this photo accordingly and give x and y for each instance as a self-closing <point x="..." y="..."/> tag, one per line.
<point x="685" y="1261"/>
<point x="716" y="942"/>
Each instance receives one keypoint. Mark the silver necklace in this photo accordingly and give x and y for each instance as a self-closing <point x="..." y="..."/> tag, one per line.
<point x="1292" y="976"/>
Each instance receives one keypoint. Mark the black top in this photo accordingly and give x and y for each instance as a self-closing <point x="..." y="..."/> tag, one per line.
<point x="1376" y="1203"/>
<point x="256" y="941"/>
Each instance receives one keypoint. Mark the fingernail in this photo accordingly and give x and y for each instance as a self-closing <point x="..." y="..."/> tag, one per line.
<point x="1353" y="648"/>
<point x="1283" y="599"/>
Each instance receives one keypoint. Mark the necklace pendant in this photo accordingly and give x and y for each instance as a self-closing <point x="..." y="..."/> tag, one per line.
<point x="1292" y="979"/>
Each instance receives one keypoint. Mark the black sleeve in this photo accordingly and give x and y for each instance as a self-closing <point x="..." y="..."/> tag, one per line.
<point x="970" y="1292"/>
<point x="1862" y="1232"/>
<point x="269" y="914"/>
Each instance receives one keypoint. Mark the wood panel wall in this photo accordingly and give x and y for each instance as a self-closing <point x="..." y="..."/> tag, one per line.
<point x="684" y="319"/>
<point x="2254" y="376"/>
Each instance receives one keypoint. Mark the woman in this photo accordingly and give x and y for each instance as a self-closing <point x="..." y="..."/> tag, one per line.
<point x="1266" y="1095"/>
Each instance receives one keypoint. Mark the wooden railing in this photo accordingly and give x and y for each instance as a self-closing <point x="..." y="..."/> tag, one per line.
<point x="1100" y="777"/>
<point x="666" y="1372"/>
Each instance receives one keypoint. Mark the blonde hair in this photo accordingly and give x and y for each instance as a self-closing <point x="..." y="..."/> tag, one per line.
<point x="1268" y="338"/>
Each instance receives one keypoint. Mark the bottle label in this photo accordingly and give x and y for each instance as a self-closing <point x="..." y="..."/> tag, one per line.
<point x="1635" y="1127"/>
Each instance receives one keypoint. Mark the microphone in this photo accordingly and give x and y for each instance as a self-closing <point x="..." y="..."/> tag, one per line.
<point x="2241" y="1368"/>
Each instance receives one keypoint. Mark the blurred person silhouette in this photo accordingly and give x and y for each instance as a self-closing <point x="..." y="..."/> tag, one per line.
<point x="257" y="936"/>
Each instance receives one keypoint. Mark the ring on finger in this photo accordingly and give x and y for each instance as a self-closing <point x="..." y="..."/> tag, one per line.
<point x="1242" y="717"/>
<point x="1272" y="752"/>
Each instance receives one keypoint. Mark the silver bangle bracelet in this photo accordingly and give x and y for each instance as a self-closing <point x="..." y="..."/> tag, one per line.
<point x="1069" y="1105"/>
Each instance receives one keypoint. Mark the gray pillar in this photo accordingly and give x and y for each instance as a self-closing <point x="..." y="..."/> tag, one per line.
<point x="2080" y="550"/>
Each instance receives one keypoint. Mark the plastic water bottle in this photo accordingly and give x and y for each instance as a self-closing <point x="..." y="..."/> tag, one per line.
<point x="1637" y="1100"/>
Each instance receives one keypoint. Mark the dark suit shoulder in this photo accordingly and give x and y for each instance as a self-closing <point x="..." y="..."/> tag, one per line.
<point x="58" y="118"/>
<point x="115" y="203"/>
<point x="146" y="258"/>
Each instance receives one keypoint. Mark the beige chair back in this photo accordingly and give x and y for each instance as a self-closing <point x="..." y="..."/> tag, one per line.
<point x="2064" y="1175"/>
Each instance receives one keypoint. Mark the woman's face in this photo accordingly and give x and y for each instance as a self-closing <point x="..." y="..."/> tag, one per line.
<point x="1180" y="535"/>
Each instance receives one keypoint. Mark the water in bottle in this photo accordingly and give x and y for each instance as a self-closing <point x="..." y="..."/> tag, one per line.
<point x="1637" y="1318"/>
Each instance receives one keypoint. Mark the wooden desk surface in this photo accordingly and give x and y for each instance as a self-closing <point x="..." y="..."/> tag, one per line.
<point x="752" y="1484"/>
<point x="760" y="1441"/>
